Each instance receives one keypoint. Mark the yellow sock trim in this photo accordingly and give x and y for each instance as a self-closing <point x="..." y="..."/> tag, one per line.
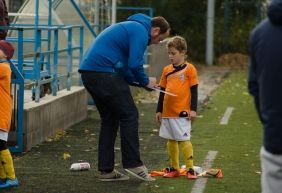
<point x="187" y="150"/>
<point x="7" y="163"/>
<point x="173" y="152"/>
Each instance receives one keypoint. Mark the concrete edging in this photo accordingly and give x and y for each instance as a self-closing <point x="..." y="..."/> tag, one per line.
<point x="43" y="119"/>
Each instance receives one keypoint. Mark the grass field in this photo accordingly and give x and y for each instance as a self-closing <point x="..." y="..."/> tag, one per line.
<point x="44" y="170"/>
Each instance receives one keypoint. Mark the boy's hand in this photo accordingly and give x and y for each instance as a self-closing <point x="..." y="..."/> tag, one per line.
<point x="158" y="117"/>
<point x="192" y="115"/>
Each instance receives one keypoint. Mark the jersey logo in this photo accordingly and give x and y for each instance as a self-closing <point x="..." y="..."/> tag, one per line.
<point x="185" y="135"/>
<point x="181" y="76"/>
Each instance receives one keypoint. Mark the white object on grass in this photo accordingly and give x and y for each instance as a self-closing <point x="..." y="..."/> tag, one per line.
<point x="80" y="166"/>
<point x="197" y="169"/>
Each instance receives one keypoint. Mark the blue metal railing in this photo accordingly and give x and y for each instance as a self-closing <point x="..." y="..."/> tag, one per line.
<point x="17" y="125"/>
<point x="34" y="70"/>
<point x="38" y="67"/>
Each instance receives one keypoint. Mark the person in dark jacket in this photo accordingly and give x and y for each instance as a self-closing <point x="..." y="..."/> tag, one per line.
<point x="265" y="80"/>
<point x="113" y="62"/>
<point x="4" y="19"/>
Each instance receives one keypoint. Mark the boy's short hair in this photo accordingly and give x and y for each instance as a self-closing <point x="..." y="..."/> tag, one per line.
<point x="177" y="42"/>
<point x="160" y="22"/>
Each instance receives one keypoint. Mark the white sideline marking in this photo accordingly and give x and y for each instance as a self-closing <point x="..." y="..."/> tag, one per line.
<point x="224" y="120"/>
<point x="200" y="183"/>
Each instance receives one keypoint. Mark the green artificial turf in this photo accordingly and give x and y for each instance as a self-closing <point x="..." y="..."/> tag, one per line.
<point x="44" y="169"/>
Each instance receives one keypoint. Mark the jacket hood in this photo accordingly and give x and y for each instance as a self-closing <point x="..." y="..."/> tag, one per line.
<point x="275" y="12"/>
<point x="144" y="20"/>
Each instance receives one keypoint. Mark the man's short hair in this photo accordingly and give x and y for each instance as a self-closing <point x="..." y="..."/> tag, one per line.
<point x="160" y="22"/>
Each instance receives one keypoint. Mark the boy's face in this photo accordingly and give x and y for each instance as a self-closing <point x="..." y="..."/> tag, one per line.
<point x="176" y="57"/>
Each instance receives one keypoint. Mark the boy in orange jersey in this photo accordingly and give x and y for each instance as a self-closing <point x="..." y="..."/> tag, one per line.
<point x="175" y="113"/>
<point x="7" y="172"/>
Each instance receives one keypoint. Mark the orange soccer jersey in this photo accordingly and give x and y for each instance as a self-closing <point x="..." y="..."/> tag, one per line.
<point x="178" y="82"/>
<point x="5" y="97"/>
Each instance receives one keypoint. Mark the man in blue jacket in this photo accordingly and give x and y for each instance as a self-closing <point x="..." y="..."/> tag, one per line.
<point x="114" y="61"/>
<point x="265" y="84"/>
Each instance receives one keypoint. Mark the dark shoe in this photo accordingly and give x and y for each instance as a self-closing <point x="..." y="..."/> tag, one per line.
<point x="170" y="172"/>
<point x="112" y="176"/>
<point x="140" y="172"/>
<point x="2" y="181"/>
<point x="191" y="174"/>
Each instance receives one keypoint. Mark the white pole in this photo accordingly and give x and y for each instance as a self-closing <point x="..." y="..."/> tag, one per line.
<point x="210" y="35"/>
<point x="7" y="4"/>
<point x="114" y="11"/>
<point x="96" y="16"/>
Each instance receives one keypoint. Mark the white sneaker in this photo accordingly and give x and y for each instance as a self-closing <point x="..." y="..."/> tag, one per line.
<point x="140" y="172"/>
<point x="112" y="176"/>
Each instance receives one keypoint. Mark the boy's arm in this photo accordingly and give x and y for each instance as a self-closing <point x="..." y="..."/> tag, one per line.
<point x="194" y="98"/>
<point x="160" y="102"/>
<point x="160" y="107"/>
<point x="162" y="85"/>
<point x="194" y="102"/>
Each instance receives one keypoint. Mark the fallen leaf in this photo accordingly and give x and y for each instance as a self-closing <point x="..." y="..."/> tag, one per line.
<point x="66" y="156"/>
<point x="60" y="132"/>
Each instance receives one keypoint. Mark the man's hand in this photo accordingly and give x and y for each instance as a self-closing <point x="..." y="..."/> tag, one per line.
<point x="152" y="83"/>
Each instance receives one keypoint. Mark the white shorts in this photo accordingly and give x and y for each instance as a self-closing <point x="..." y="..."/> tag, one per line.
<point x="177" y="129"/>
<point x="3" y="135"/>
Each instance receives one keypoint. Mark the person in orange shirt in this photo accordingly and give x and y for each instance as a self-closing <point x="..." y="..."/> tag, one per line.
<point x="7" y="171"/>
<point x="174" y="113"/>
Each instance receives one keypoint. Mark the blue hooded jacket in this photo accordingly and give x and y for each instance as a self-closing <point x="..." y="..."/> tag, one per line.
<point x="120" y="49"/>
<point x="265" y="75"/>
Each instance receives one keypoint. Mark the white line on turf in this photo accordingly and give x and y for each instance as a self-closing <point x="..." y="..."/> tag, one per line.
<point x="200" y="183"/>
<point x="224" y="120"/>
